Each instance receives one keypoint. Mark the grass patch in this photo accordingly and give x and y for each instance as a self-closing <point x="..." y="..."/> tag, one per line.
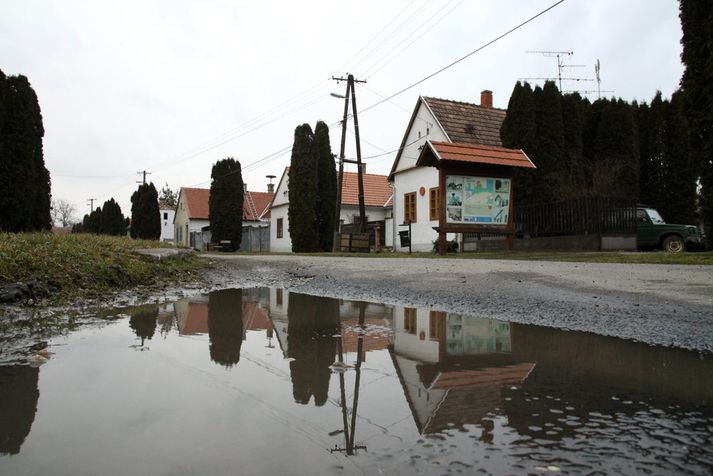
<point x="82" y="264"/>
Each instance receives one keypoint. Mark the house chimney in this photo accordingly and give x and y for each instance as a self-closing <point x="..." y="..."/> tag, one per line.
<point x="486" y="98"/>
<point x="270" y="186"/>
<point x="363" y="168"/>
<point x="245" y="187"/>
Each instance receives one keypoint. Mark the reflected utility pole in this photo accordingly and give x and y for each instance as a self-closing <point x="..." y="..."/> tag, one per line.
<point x="350" y="447"/>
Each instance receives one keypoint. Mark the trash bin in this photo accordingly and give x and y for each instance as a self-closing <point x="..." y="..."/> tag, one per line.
<point x="404" y="238"/>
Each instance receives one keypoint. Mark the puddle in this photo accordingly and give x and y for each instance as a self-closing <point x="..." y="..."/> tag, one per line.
<point x="263" y="381"/>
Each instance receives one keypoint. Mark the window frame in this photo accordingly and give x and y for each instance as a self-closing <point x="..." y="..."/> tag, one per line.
<point x="279" y="229"/>
<point x="410" y="207"/>
<point x="434" y="198"/>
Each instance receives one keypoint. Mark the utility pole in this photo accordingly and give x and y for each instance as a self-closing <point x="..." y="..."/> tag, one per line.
<point x="144" y="173"/>
<point x="350" y="93"/>
<point x="91" y="204"/>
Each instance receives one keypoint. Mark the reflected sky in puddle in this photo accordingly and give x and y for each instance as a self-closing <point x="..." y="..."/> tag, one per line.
<point x="264" y="381"/>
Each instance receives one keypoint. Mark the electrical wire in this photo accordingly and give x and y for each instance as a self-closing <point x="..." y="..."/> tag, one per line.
<point x="450" y="65"/>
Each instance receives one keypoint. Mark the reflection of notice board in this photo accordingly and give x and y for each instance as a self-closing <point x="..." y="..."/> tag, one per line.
<point x="477" y="200"/>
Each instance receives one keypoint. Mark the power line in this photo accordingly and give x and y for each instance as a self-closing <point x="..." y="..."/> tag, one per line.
<point x="512" y="30"/>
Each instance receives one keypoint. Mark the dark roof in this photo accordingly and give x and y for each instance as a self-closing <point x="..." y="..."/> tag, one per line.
<point x="468" y="123"/>
<point x="479" y="154"/>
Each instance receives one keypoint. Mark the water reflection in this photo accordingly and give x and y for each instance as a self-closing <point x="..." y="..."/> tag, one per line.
<point x="18" y="404"/>
<point x="225" y="326"/>
<point x="447" y="390"/>
<point x="313" y="321"/>
<point x="143" y="321"/>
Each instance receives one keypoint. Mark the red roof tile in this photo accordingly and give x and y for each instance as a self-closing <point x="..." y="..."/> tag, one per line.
<point x="460" y="152"/>
<point x="197" y="201"/>
<point x="377" y="190"/>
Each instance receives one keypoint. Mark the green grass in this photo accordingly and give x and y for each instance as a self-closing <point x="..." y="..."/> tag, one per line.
<point x="84" y="264"/>
<point x="644" y="257"/>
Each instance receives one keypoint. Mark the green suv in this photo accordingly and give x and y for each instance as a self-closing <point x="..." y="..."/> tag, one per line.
<point x="653" y="231"/>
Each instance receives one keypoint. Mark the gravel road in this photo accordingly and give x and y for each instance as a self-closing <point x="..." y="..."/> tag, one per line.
<point x="657" y="304"/>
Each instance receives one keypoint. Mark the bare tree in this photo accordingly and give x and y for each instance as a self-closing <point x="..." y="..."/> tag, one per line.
<point x="62" y="212"/>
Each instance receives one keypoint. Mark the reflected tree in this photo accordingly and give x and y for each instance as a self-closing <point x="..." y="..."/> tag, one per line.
<point x="225" y="326"/>
<point x="143" y="322"/>
<point x="312" y="323"/>
<point x="18" y="404"/>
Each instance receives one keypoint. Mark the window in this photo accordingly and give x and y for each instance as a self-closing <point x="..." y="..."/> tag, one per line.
<point x="435" y="318"/>
<point x="410" y="207"/>
<point x="278" y="297"/>
<point x="410" y="320"/>
<point x="433" y="203"/>
<point x="279" y="227"/>
<point x="165" y="215"/>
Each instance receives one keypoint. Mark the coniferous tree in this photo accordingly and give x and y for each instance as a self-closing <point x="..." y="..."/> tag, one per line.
<point x="518" y="132"/>
<point x="652" y="151"/>
<point x="24" y="180"/>
<point x="225" y="326"/>
<point x="226" y="202"/>
<point x="696" y="20"/>
<point x="326" y="187"/>
<point x="549" y="149"/>
<point x="303" y="192"/>
<point x="145" y="215"/>
<point x="573" y="108"/>
<point x="112" y="220"/>
<point x="678" y="204"/>
<point x="94" y="222"/>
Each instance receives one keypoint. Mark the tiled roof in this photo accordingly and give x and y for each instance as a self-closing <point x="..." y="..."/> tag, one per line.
<point x="377" y="190"/>
<point x="460" y="152"/>
<point x="469" y="123"/>
<point x="197" y="200"/>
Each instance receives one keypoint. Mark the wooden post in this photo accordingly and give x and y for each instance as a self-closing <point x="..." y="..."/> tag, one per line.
<point x="441" y="212"/>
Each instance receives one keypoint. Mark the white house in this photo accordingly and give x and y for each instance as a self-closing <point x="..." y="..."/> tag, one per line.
<point x="167" y="213"/>
<point x="193" y="207"/>
<point x="377" y="201"/>
<point x="416" y="188"/>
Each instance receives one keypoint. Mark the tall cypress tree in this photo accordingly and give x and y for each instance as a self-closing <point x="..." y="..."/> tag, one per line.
<point x="326" y="187"/>
<point x="680" y="167"/>
<point x="145" y="215"/>
<point x="518" y="132"/>
<point x="95" y="222"/>
<point x="652" y="151"/>
<point x="549" y="149"/>
<point x="25" y="196"/>
<point x="226" y="202"/>
<point x="696" y="20"/>
<point x="303" y="192"/>
<point x="573" y="107"/>
<point x="112" y="220"/>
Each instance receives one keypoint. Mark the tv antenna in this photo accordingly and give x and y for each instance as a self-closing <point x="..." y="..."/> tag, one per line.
<point x="560" y="55"/>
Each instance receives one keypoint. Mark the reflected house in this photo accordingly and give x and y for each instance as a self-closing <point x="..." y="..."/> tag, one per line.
<point x="452" y="367"/>
<point x="225" y="316"/>
<point x="19" y="393"/>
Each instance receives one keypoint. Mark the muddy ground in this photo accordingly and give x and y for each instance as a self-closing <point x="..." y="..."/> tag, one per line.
<point x="657" y="304"/>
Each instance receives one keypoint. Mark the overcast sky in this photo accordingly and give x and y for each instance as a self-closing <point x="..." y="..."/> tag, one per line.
<point x="173" y="86"/>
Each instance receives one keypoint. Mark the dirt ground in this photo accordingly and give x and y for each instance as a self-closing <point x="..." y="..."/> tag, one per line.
<point x="657" y="304"/>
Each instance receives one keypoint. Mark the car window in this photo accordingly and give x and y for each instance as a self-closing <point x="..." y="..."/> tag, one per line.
<point x="655" y="217"/>
<point x="641" y="216"/>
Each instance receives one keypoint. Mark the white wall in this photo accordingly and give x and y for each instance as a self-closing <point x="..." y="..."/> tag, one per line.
<point x="284" y="243"/>
<point x="410" y="345"/>
<point x="167" y="229"/>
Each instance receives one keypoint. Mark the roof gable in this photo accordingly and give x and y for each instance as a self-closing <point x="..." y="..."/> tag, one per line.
<point x="196" y="202"/>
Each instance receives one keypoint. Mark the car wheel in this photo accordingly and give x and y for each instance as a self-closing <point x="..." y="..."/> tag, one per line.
<point x="673" y="244"/>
